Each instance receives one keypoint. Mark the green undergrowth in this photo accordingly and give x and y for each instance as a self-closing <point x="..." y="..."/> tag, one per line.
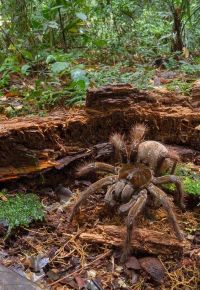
<point x="190" y="179"/>
<point x="20" y="210"/>
<point x="62" y="79"/>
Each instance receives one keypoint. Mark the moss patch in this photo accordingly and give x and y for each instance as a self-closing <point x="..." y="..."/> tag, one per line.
<point x="20" y="210"/>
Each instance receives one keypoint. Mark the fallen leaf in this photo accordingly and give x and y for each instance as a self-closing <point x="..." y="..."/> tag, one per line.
<point x="91" y="274"/>
<point x="133" y="263"/>
<point x="153" y="267"/>
<point x="80" y="282"/>
<point x="122" y="283"/>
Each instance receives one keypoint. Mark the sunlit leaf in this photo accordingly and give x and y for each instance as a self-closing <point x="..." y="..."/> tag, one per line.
<point x="59" y="67"/>
<point x="81" y="16"/>
<point x="25" y="69"/>
<point x="50" y="59"/>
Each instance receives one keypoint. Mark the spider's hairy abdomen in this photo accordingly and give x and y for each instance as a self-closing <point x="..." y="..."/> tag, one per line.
<point x="152" y="153"/>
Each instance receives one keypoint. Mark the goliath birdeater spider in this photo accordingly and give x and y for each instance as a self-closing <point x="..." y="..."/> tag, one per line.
<point x="131" y="186"/>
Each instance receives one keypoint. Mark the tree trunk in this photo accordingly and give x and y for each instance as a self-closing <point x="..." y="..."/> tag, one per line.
<point x="177" y="40"/>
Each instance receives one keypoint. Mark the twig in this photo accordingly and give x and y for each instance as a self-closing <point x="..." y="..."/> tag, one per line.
<point x="85" y="267"/>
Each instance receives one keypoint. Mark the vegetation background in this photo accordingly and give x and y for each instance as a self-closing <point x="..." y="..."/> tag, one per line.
<point x="51" y="51"/>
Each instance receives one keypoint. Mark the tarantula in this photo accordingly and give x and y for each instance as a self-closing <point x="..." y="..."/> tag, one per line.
<point x="130" y="186"/>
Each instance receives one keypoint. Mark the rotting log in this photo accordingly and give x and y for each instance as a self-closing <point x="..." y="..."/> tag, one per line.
<point x="31" y="143"/>
<point x="143" y="240"/>
<point x="96" y="152"/>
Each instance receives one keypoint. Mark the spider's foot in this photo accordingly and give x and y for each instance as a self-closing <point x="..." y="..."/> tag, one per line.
<point x="180" y="236"/>
<point x="124" y="257"/>
<point x="182" y="206"/>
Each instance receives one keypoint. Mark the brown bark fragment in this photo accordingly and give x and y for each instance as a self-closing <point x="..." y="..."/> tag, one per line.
<point x="143" y="240"/>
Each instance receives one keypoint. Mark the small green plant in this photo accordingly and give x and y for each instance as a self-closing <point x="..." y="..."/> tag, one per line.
<point x="179" y="86"/>
<point x="190" y="179"/>
<point x="20" y="210"/>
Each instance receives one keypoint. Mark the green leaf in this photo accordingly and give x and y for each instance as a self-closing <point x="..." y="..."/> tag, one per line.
<point x="100" y="42"/>
<point x="25" y="69"/>
<point x="50" y="59"/>
<point x="56" y="7"/>
<point x="52" y="24"/>
<point x="59" y="67"/>
<point x="81" y="16"/>
<point x="79" y="75"/>
<point x="80" y="84"/>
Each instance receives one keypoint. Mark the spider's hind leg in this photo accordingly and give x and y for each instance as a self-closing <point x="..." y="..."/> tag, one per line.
<point x="136" y="208"/>
<point x="159" y="194"/>
<point x="179" y="187"/>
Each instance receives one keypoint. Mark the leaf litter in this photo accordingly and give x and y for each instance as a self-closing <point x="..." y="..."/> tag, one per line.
<point x="51" y="254"/>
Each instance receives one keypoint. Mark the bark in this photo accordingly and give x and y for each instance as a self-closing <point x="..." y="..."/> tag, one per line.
<point x="30" y="144"/>
<point x="143" y="240"/>
<point x="177" y="41"/>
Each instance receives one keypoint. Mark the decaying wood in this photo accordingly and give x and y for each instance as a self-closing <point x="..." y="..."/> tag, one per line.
<point x="99" y="151"/>
<point x="195" y="93"/>
<point x="30" y="144"/>
<point x="143" y="240"/>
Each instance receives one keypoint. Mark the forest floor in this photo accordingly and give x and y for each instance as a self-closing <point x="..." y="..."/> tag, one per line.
<point x="64" y="260"/>
<point x="55" y="253"/>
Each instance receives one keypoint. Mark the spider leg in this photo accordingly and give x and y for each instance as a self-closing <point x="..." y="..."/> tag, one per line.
<point x="109" y="197"/>
<point x="172" y="179"/>
<point x="94" y="166"/>
<point x="159" y="165"/>
<point x="119" y="144"/>
<point x="125" y="207"/>
<point x="136" y="208"/>
<point x="161" y="195"/>
<point x="127" y="192"/>
<point x="91" y="189"/>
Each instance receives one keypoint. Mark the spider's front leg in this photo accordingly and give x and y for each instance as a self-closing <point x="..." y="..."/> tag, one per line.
<point x="179" y="187"/>
<point x="162" y="196"/>
<point x="96" y="166"/>
<point x="136" y="208"/>
<point x="91" y="189"/>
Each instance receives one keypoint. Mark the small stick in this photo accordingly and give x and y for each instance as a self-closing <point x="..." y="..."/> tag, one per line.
<point x="85" y="267"/>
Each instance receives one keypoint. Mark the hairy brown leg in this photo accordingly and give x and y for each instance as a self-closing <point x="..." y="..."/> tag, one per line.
<point x="159" y="165"/>
<point x="173" y="179"/>
<point x="133" y="213"/>
<point x="92" y="189"/>
<point x="95" y="166"/>
<point x="109" y="197"/>
<point x="119" y="145"/>
<point x="174" y="167"/>
<point x="161" y="195"/>
<point x="126" y="206"/>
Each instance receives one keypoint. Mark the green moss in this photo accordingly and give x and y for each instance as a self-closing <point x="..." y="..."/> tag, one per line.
<point x="20" y="211"/>
<point x="190" y="179"/>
